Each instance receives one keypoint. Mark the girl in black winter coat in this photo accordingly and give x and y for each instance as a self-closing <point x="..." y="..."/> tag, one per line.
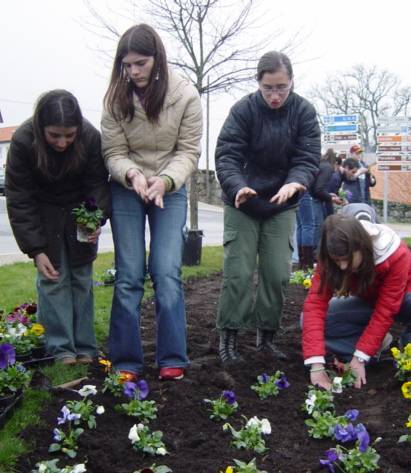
<point x="54" y="163"/>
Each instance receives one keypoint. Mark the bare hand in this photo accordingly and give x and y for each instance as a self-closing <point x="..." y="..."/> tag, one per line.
<point x="138" y="182"/>
<point x="336" y="200"/>
<point x="358" y="369"/>
<point x="45" y="267"/>
<point x="93" y="237"/>
<point x="321" y="379"/>
<point x="286" y="192"/>
<point x="243" y="195"/>
<point x="156" y="190"/>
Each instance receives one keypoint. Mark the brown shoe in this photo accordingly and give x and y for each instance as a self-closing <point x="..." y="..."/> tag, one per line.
<point x="67" y="360"/>
<point x="85" y="359"/>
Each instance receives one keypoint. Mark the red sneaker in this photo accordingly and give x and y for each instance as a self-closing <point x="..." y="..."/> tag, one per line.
<point x="171" y="373"/>
<point x="127" y="376"/>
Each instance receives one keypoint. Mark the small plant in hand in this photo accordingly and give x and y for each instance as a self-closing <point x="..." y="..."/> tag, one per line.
<point x="302" y="277"/>
<point x="402" y="360"/>
<point x="361" y="459"/>
<point x="406" y="437"/>
<point x="318" y="400"/>
<point x="86" y="408"/>
<point x="66" y="442"/>
<point x="270" y="385"/>
<point x="88" y="215"/>
<point x="344" y="194"/>
<point x="243" y="467"/>
<point x="224" y="406"/>
<point x="145" y="441"/>
<point x="250" y="437"/>
<point x="138" y="406"/>
<point x="13" y="376"/>
<point x="52" y="467"/>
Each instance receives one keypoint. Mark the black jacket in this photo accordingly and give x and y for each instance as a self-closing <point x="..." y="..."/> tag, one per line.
<point x="319" y="188"/>
<point x="39" y="209"/>
<point x="264" y="149"/>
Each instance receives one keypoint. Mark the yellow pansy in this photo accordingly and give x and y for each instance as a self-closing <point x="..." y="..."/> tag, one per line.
<point x="407" y="349"/>
<point x="106" y="364"/>
<point x="407" y="365"/>
<point x="395" y="352"/>
<point x="37" y="329"/>
<point x="229" y="469"/>
<point x="307" y="283"/>
<point x="406" y="390"/>
<point x="408" y="424"/>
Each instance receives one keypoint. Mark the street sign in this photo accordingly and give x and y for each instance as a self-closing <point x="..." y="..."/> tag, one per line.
<point x="394" y="167"/>
<point x="389" y="138"/>
<point x="389" y="157"/>
<point x="353" y="118"/>
<point x="339" y="128"/>
<point x="340" y="137"/>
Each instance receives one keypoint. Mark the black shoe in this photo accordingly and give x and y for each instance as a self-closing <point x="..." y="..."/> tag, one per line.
<point x="228" y="347"/>
<point x="265" y="342"/>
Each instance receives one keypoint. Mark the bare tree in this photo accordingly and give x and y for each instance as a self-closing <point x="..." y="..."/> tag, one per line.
<point x="215" y="43"/>
<point x="368" y="91"/>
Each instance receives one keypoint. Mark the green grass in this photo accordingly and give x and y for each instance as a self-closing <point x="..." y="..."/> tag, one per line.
<point x="407" y="241"/>
<point x="18" y="285"/>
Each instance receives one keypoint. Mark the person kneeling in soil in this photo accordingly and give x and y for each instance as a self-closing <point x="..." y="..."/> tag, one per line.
<point x="368" y="269"/>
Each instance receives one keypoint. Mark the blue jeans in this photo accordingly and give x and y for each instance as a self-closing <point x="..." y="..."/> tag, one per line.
<point x="128" y="223"/>
<point x="305" y="221"/>
<point x="65" y="308"/>
<point x="318" y="214"/>
<point x="347" y="319"/>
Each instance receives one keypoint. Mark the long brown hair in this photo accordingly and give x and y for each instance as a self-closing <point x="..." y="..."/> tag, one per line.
<point x="57" y="108"/>
<point x="341" y="237"/>
<point x="141" y="39"/>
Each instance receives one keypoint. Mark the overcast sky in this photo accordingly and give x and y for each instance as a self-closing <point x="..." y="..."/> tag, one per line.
<point x="43" y="46"/>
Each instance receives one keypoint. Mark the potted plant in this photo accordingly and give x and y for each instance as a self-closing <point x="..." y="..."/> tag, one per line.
<point x="13" y="376"/>
<point x="88" y="219"/>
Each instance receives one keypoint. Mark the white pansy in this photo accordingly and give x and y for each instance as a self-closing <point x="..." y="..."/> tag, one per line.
<point x="253" y="421"/>
<point x="18" y="330"/>
<point x="87" y="390"/>
<point x="140" y="426"/>
<point x="337" y="385"/>
<point x="133" y="434"/>
<point x="42" y="468"/>
<point x="100" y="410"/>
<point x="310" y="403"/>
<point x="80" y="468"/>
<point x="161" y="451"/>
<point x="265" y="427"/>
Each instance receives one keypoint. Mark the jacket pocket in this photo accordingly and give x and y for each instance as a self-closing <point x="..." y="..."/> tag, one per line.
<point x="229" y="236"/>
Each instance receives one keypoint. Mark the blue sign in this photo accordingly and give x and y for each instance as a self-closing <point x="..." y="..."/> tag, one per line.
<point x="340" y="118"/>
<point x="340" y="128"/>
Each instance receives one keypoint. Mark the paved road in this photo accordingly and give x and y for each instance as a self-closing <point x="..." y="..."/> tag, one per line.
<point x="210" y="221"/>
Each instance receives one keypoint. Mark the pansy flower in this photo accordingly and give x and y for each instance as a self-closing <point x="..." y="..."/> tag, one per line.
<point x="332" y="457"/>
<point x="352" y="414"/>
<point x="7" y="355"/>
<point x="282" y="382"/>
<point x="229" y="397"/>
<point x="406" y="390"/>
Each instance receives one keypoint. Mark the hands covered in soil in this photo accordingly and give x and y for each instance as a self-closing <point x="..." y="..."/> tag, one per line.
<point x="45" y="267"/>
<point x="358" y="370"/>
<point x="319" y="377"/>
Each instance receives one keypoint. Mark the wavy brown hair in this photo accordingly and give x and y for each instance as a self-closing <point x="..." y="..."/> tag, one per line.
<point x="341" y="237"/>
<point x="57" y="108"/>
<point x="141" y="39"/>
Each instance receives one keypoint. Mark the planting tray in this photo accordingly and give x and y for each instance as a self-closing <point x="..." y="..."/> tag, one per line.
<point x="33" y="362"/>
<point x="7" y="411"/>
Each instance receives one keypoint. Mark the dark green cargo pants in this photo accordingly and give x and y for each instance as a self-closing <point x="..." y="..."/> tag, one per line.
<point x="247" y="243"/>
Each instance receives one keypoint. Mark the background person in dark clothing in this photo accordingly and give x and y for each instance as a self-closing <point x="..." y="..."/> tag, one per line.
<point x="267" y="152"/>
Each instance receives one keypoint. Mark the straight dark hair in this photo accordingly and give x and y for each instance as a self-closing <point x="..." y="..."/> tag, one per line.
<point x="141" y="39"/>
<point x="273" y="61"/>
<point x="341" y="237"/>
<point x="57" y="108"/>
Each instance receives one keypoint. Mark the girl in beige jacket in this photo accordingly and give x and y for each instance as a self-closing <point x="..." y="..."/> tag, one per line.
<point x="151" y="132"/>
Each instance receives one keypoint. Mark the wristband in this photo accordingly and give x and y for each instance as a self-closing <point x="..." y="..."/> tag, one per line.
<point x="315" y="370"/>
<point x="168" y="181"/>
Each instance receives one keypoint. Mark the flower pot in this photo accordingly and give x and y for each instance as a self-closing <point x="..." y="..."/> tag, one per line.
<point x="24" y="356"/>
<point x="39" y="351"/>
<point x="82" y="233"/>
<point x="6" y="399"/>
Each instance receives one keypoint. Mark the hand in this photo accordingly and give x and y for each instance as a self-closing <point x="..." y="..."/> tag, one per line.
<point x="286" y="192"/>
<point x="138" y="183"/>
<point x="336" y="200"/>
<point x="320" y="378"/>
<point x="243" y="195"/>
<point x="156" y="190"/>
<point x="45" y="267"/>
<point x="358" y="369"/>
<point x="93" y="237"/>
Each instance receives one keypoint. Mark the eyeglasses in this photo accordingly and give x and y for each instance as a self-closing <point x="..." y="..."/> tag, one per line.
<point x="281" y="89"/>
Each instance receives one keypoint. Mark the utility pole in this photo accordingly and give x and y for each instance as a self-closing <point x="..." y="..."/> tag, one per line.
<point x="208" y="140"/>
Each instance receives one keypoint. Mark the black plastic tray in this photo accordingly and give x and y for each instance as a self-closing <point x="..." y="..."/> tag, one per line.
<point x="6" y="413"/>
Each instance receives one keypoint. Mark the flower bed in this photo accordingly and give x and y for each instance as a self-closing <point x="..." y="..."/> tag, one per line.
<point x="194" y="442"/>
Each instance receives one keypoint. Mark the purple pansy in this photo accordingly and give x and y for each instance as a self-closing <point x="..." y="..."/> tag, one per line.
<point x="345" y="433"/>
<point x="67" y="416"/>
<point x="363" y="437"/>
<point x="7" y="355"/>
<point x="90" y="204"/>
<point x="143" y="390"/>
<point x="352" y="414"/>
<point x="331" y="458"/>
<point x="264" y="378"/>
<point x="137" y="390"/>
<point x="229" y="397"/>
<point x="282" y="382"/>
<point x="57" y="435"/>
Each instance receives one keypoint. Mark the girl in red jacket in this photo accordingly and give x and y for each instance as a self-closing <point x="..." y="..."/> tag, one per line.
<point x="367" y="269"/>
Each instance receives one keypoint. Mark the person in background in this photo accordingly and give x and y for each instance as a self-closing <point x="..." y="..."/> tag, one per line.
<point x="267" y="153"/>
<point x="350" y="182"/>
<point x="53" y="165"/>
<point x="334" y="185"/>
<point x="366" y="179"/>
<point x="305" y="230"/>
<point x="367" y="269"/>
<point x="320" y="194"/>
<point x="360" y="212"/>
<point x="151" y="132"/>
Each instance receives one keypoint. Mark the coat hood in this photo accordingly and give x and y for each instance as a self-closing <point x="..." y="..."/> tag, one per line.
<point x="385" y="240"/>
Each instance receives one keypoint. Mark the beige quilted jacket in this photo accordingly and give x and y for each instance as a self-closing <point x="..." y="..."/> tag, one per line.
<point x="171" y="146"/>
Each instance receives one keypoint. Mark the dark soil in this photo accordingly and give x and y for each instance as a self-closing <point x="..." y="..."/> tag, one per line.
<point x="197" y="444"/>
